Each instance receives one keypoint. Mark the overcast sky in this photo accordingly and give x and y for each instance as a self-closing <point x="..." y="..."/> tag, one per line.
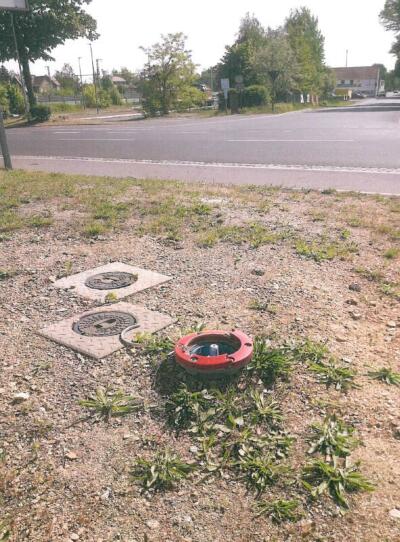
<point x="124" y="25"/>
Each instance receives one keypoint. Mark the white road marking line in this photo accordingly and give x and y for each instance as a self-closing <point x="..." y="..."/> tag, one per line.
<point x="62" y="133"/>
<point x="222" y="165"/>
<point x="290" y="140"/>
<point x="95" y="139"/>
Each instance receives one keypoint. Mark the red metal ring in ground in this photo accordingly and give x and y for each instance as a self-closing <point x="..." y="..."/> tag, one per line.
<point x="224" y="363"/>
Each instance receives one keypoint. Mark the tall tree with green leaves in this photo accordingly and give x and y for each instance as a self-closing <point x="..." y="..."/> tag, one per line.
<point x="307" y="43"/>
<point x="49" y="23"/>
<point x="390" y="17"/>
<point x="276" y="65"/>
<point x="169" y="73"/>
<point x="239" y="58"/>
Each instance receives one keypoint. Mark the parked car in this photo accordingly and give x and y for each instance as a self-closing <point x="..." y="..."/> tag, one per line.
<point x="358" y="95"/>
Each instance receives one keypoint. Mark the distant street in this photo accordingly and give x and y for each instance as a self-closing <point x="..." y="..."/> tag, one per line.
<point x="355" y="148"/>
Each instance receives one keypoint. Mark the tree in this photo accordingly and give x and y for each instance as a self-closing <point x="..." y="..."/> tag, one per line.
<point x="276" y="65"/>
<point x="67" y="78"/>
<point x="307" y="43"/>
<point x="390" y="18"/>
<point x="5" y="76"/>
<point x="49" y="23"/>
<point x="167" y="74"/>
<point x="239" y="58"/>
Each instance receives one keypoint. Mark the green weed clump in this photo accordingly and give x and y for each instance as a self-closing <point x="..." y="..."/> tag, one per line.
<point x="334" y="479"/>
<point x="164" y="471"/>
<point x="332" y="438"/>
<point x="254" y="234"/>
<point x="94" y="229"/>
<point x="39" y="221"/>
<point x="270" y="364"/>
<point x="310" y="352"/>
<point x="279" y="511"/>
<point x="104" y="405"/>
<point x="324" y="250"/>
<point x="341" y="377"/>
<point x="386" y="375"/>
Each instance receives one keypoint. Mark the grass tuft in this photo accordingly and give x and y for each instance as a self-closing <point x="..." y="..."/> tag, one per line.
<point x="320" y="477"/>
<point x="104" y="405"/>
<point x="332" y="438"/>
<point x="332" y="374"/>
<point x="162" y="472"/>
<point x="269" y="364"/>
<point x="386" y="375"/>
<point x="279" y="511"/>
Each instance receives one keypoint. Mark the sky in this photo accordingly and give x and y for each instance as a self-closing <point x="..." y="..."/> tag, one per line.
<point x="125" y="25"/>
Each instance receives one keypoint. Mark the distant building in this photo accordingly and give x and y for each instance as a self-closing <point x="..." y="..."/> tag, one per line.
<point x="119" y="81"/>
<point x="43" y="84"/>
<point x="364" y="79"/>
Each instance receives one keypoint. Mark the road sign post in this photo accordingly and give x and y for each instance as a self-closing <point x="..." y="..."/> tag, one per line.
<point x="225" y="86"/>
<point x="3" y="144"/>
<point x="11" y="6"/>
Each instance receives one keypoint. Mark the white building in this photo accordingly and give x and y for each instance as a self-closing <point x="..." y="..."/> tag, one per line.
<point x="364" y="79"/>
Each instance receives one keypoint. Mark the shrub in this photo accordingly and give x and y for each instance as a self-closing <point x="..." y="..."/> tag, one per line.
<point x="89" y="96"/>
<point x="4" y="104"/>
<point x="190" y="97"/>
<point x="40" y="113"/>
<point x="255" y="95"/>
<point x="115" y="96"/>
<point x="16" y="100"/>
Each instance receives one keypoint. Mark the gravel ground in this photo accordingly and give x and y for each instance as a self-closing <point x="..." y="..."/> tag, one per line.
<point x="63" y="481"/>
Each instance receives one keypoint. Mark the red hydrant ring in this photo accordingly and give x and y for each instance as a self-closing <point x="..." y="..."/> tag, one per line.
<point x="241" y="344"/>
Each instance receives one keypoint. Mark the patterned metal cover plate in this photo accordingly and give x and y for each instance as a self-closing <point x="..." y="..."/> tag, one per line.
<point x="112" y="280"/>
<point x="104" y="324"/>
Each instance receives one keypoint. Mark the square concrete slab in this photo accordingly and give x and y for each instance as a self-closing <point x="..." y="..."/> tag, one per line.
<point x="114" y="278"/>
<point x="96" y="333"/>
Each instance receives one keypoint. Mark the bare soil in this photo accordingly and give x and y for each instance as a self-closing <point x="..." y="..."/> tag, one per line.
<point x="61" y="481"/>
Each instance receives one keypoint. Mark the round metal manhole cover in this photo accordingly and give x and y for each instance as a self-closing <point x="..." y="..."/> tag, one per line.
<point x="113" y="280"/>
<point x="104" y="324"/>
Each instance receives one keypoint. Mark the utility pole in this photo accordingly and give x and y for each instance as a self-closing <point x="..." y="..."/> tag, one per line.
<point x="81" y="79"/>
<point x="80" y="70"/>
<point x="94" y="78"/>
<point x="347" y="57"/>
<point x="98" y="60"/>
<point x="211" y="80"/>
<point x="48" y="71"/>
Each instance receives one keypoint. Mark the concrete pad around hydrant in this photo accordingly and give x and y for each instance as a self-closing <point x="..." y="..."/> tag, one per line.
<point x="96" y="333"/>
<point x="118" y="279"/>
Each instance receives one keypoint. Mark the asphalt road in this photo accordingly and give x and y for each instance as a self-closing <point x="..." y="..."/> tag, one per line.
<point x="355" y="148"/>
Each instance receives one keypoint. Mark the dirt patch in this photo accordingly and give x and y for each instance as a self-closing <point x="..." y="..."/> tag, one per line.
<point x="283" y="264"/>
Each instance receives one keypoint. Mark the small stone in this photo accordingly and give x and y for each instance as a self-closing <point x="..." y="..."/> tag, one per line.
<point x="356" y="315"/>
<point x="20" y="397"/>
<point x="193" y="449"/>
<point x="72" y="456"/>
<point x="153" y="524"/>
<point x="258" y="272"/>
<point x="340" y="339"/>
<point x="391" y="323"/>
<point x="74" y="536"/>
<point x="395" y="513"/>
<point x="352" y="302"/>
<point x="355" y="287"/>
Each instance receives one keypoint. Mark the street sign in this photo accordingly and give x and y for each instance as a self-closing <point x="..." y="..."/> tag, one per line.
<point x="14" y="5"/>
<point x="225" y="86"/>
